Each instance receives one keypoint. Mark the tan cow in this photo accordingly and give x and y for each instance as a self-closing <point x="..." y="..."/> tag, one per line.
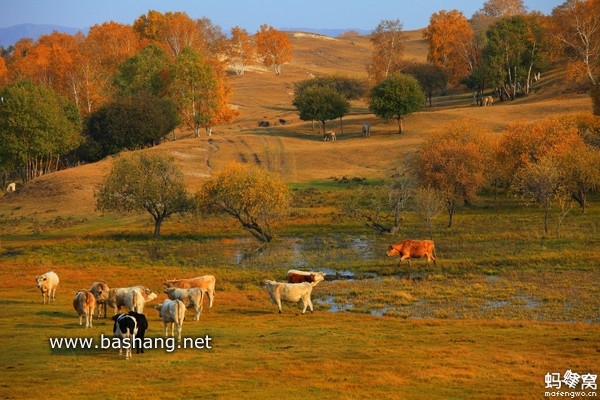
<point x="488" y="101"/>
<point x="190" y="298"/>
<point x="117" y="297"/>
<point x="100" y="290"/>
<point x="84" y="303"/>
<point x="47" y="283"/>
<point x="295" y="276"/>
<point x="408" y="249"/>
<point x="290" y="292"/>
<point x="206" y="283"/>
<point x="329" y="135"/>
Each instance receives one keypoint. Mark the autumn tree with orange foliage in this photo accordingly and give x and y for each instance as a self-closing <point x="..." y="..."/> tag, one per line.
<point x="104" y="49"/>
<point x="273" y="47"/>
<point x="240" y="50"/>
<point x="455" y="162"/>
<point x="575" y="28"/>
<point x="523" y="143"/>
<point x="449" y="35"/>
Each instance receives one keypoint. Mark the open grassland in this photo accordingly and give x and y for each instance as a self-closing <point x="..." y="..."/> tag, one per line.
<point x="504" y="305"/>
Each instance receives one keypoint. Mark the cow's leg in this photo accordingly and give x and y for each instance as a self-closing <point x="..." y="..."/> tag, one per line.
<point x="197" y="314"/>
<point x="279" y="305"/>
<point x="310" y="304"/>
<point x="211" y="296"/>
<point x="80" y="319"/>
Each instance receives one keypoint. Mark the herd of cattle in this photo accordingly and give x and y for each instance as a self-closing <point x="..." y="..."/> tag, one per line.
<point x="188" y="293"/>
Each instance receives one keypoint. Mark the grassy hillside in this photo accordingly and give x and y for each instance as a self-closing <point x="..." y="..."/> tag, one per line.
<point x="504" y="305"/>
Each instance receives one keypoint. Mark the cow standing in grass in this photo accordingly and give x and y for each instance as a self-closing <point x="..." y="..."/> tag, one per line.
<point x="84" y="303"/>
<point x="47" y="283"/>
<point x="295" y="276"/>
<point x="408" y="249"/>
<point x="100" y="290"/>
<point x="290" y="292"/>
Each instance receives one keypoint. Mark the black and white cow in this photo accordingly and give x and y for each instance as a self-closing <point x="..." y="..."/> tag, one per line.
<point x="130" y="326"/>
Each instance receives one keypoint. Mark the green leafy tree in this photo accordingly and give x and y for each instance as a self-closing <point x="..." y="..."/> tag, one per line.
<point x="515" y="46"/>
<point x="143" y="72"/>
<point x="253" y="196"/>
<point x="193" y="87"/>
<point x="430" y="77"/>
<point x="320" y="103"/>
<point x="347" y="88"/>
<point x="396" y="96"/>
<point x="37" y="128"/>
<point x="145" y="182"/>
<point x="130" y="123"/>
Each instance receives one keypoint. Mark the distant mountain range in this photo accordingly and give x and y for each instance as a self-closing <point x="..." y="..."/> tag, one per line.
<point x="9" y="36"/>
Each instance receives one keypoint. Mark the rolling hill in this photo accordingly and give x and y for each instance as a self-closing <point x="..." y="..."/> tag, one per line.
<point x="294" y="149"/>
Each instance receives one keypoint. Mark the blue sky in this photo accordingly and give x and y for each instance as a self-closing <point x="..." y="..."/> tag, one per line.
<point x="248" y="14"/>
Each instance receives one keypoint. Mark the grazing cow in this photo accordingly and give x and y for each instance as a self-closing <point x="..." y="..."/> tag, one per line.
<point x="329" y="135"/>
<point x="126" y="327"/>
<point x="206" y="283"/>
<point x="100" y="290"/>
<point x="294" y="276"/>
<point x="366" y="130"/>
<point x="117" y="296"/>
<point x="488" y="101"/>
<point x="84" y="303"/>
<point x="172" y="312"/>
<point x="11" y="187"/>
<point x="190" y="298"/>
<point x="291" y="292"/>
<point x="137" y="297"/>
<point x="47" y="283"/>
<point x="408" y="249"/>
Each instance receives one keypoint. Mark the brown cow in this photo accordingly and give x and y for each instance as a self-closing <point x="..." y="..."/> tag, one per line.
<point x="206" y="283"/>
<point x="295" y="276"/>
<point x="408" y="249"/>
<point x="84" y="303"/>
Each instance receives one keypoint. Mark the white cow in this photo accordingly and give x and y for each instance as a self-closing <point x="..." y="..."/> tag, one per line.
<point x="47" y="283"/>
<point x="366" y="130"/>
<point x="172" y="312"/>
<point x="117" y="296"/>
<point x="11" y="187"/>
<point x="291" y="292"/>
<point x="190" y="297"/>
<point x="137" y="297"/>
<point x="84" y="303"/>
<point x="100" y="290"/>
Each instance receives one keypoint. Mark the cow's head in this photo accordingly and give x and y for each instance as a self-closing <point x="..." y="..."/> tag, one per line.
<point x="40" y="281"/>
<point x="393" y="251"/>
<point x="168" y="283"/>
